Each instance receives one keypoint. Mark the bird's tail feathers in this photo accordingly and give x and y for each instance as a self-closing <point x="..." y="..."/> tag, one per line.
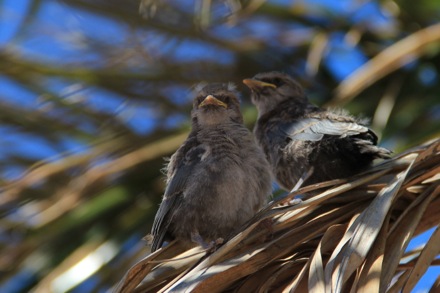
<point x="367" y="147"/>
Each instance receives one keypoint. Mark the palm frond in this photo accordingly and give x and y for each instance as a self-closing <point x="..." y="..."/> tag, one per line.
<point x="345" y="235"/>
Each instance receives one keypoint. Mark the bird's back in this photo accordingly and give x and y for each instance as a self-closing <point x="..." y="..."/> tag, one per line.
<point x="334" y="144"/>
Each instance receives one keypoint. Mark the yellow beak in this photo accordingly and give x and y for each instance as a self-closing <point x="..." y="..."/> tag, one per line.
<point x="256" y="84"/>
<point x="211" y="100"/>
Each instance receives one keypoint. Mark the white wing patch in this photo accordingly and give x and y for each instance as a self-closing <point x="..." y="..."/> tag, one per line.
<point x="315" y="129"/>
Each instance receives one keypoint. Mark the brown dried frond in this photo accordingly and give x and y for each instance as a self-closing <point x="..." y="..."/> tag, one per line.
<point x="346" y="235"/>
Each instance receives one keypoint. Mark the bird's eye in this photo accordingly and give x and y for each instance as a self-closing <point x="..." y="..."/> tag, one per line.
<point x="200" y="99"/>
<point x="277" y="81"/>
<point x="225" y="99"/>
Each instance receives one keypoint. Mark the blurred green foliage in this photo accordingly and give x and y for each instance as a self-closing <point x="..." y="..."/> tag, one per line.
<point x="95" y="93"/>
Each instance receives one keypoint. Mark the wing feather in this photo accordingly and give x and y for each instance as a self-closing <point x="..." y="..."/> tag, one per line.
<point x="314" y="129"/>
<point x="180" y="168"/>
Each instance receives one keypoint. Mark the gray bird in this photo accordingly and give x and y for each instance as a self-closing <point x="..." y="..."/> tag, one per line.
<point x="305" y="143"/>
<point x="217" y="179"/>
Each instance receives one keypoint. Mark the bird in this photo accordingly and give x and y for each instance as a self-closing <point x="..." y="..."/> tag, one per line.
<point x="303" y="143"/>
<point x="217" y="179"/>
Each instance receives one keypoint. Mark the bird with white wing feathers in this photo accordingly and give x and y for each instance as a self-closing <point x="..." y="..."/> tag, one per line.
<point x="305" y="143"/>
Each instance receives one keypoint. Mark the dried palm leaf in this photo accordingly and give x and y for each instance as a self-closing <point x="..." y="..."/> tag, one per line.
<point x="345" y="236"/>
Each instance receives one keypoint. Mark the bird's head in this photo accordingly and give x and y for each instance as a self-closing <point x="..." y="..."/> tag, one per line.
<point x="216" y="104"/>
<point x="269" y="89"/>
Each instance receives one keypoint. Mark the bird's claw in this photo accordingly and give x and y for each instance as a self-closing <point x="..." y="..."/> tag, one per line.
<point x="209" y="247"/>
<point x="294" y="201"/>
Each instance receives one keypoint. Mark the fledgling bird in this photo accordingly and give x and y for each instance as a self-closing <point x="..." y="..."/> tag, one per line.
<point x="305" y="143"/>
<point x="217" y="179"/>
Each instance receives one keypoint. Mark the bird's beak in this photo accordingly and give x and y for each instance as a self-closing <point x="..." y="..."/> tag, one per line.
<point x="211" y="100"/>
<point x="254" y="84"/>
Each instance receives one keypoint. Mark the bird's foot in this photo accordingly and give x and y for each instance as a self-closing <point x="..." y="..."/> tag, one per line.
<point x="294" y="201"/>
<point x="213" y="245"/>
<point x="209" y="247"/>
<point x="290" y="202"/>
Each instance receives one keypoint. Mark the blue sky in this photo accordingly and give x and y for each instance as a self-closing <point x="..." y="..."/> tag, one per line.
<point x="49" y="42"/>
